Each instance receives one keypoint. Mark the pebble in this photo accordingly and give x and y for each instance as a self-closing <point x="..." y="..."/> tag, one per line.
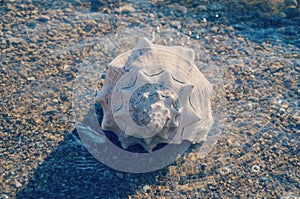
<point x="146" y="188"/>
<point x="120" y="175"/>
<point x="16" y="40"/>
<point x="69" y="10"/>
<point x="282" y="15"/>
<point x="44" y="18"/>
<point x="255" y="168"/>
<point x="18" y="184"/>
<point x="214" y="29"/>
<point x="289" y="3"/>
<point x="125" y="9"/>
<point x="10" y="7"/>
<point x="176" y="24"/>
<point x="31" y="78"/>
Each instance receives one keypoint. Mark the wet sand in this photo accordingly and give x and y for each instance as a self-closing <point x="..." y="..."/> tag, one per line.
<point x="249" y="51"/>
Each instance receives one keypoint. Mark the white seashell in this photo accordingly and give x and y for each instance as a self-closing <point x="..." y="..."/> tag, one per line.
<point x="155" y="94"/>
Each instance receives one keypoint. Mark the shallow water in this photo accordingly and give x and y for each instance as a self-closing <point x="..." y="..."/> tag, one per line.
<point x="53" y="54"/>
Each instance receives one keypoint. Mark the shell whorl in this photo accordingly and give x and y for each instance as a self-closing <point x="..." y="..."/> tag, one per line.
<point x="158" y="110"/>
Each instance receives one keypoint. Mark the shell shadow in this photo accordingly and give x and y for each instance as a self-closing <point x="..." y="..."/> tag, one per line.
<point x="71" y="171"/>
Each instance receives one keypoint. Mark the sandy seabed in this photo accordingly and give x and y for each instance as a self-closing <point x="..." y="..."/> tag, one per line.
<point x="249" y="50"/>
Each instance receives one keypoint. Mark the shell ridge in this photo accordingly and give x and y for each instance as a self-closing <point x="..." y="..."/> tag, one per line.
<point x="130" y="85"/>
<point x="143" y="43"/>
<point x="156" y="74"/>
<point x="182" y="82"/>
<point x="191" y="104"/>
<point x="150" y="49"/>
<point x="116" y="109"/>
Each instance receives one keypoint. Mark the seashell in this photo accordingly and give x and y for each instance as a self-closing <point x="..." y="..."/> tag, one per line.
<point x="155" y="94"/>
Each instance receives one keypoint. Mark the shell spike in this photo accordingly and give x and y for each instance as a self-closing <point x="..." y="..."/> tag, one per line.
<point x="143" y="42"/>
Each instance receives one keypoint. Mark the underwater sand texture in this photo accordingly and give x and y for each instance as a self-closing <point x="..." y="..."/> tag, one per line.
<point x="44" y="45"/>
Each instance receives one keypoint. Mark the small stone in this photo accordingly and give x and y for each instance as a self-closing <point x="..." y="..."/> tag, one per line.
<point x="34" y="12"/>
<point x="230" y="141"/>
<point x="252" y="131"/>
<point x="225" y="170"/>
<point x="11" y="7"/>
<point x="50" y="108"/>
<point x="15" y="40"/>
<point x="125" y="9"/>
<point x="18" y="184"/>
<point x="230" y="28"/>
<point x="255" y="168"/>
<point x="146" y="188"/>
<point x="69" y="10"/>
<point x="31" y="78"/>
<point x="289" y="3"/>
<point x="201" y="8"/>
<point x="120" y="175"/>
<point x="214" y="29"/>
<point x="66" y="67"/>
<point x="176" y="24"/>
<point x="282" y="15"/>
<point x="44" y="18"/>
<point x="52" y="12"/>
